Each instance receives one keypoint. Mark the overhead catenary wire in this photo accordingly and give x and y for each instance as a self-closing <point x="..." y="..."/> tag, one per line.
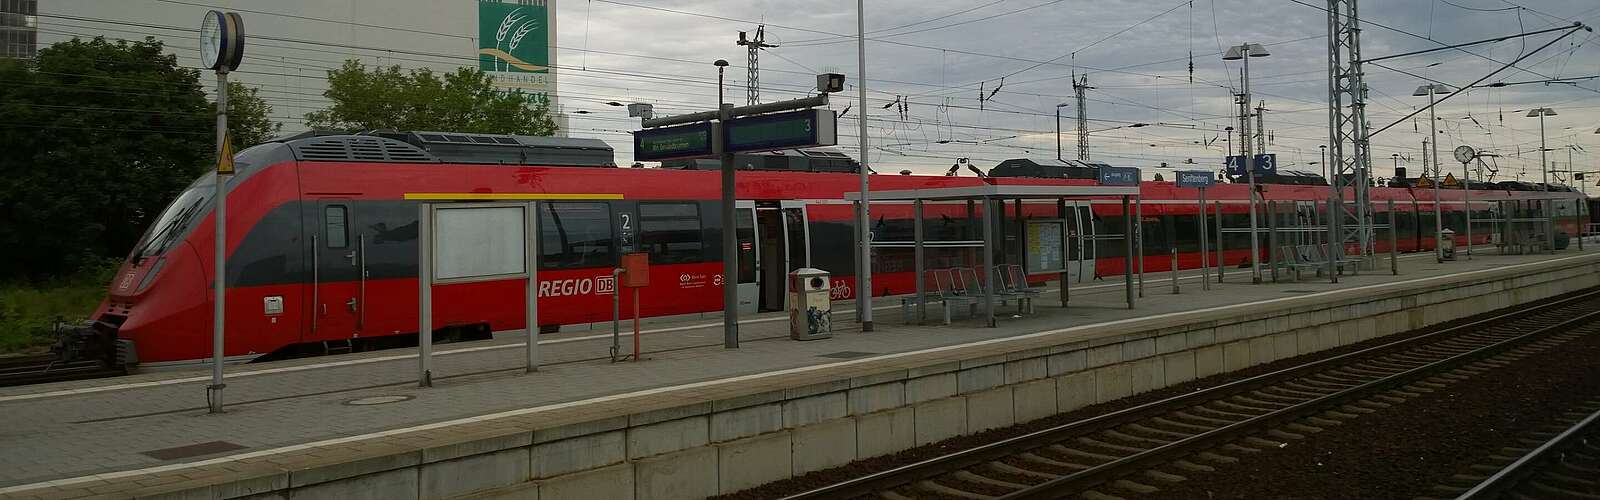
<point x="575" y="90"/>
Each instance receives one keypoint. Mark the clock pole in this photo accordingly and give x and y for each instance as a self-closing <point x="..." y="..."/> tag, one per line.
<point x="214" y="391"/>
<point x="221" y="49"/>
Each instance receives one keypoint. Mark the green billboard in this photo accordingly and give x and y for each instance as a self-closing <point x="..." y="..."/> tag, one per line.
<point x="514" y="37"/>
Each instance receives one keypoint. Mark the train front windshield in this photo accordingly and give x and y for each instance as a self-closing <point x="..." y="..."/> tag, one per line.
<point x="176" y="219"/>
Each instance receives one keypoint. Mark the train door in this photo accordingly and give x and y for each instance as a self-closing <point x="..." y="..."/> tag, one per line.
<point x="338" y="278"/>
<point x="773" y="239"/>
<point x="1080" y="242"/>
<point x="784" y="247"/>
<point x="749" y="283"/>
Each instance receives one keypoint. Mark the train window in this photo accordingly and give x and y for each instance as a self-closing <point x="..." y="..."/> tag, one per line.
<point x="1154" y="236"/>
<point x="671" y="232"/>
<point x="575" y="235"/>
<point x="335" y="218"/>
<point x="1185" y="232"/>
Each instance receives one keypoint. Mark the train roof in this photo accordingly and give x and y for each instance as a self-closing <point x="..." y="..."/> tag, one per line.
<point x="392" y="146"/>
<point x="820" y="159"/>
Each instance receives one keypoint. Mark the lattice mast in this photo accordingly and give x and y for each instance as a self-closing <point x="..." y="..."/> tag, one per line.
<point x="753" y="62"/>
<point x="1349" y="152"/>
<point x="1079" y="85"/>
<point x="1261" y="128"/>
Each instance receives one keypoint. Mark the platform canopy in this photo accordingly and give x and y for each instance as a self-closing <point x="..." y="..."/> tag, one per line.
<point x="990" y="193"/>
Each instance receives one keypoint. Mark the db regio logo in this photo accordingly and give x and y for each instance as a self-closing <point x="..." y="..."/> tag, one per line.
<point x="598" y="285"/>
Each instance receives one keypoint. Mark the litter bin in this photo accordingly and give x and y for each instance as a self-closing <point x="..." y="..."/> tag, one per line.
<point x="1447" y="244"/>
<point x="810" y="304"/>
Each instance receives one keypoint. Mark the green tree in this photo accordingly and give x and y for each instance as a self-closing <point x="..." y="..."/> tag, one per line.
<point x="249" y="117"/>
<point x="462" y="101"/>
<point x="98" y="137"/>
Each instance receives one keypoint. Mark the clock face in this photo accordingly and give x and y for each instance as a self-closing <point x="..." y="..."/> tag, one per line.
<point x="1464" y="154"/>
<point x="211" y="39"/>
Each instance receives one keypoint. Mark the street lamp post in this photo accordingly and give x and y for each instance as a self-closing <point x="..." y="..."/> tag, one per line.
<point x="864" y="258"/>
<point x="1544" y="172"/>
<point x="1324" y="163"/>
<point x="1228" y="139"/>
<point x="1431" y="90"/>
<point x="730" y="232"/>
<point x="1244" y="52"/>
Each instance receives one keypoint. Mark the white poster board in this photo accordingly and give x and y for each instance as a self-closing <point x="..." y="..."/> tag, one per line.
<point x="479" y="242"/>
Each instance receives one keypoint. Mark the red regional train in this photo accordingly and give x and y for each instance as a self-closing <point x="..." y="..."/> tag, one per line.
<point x="322" y="239"/>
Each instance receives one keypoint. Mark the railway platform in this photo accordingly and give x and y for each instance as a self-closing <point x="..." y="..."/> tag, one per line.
<point x="693" y="419"/>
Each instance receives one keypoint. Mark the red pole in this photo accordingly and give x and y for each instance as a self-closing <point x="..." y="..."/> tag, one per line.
<point x="636" y="324"/>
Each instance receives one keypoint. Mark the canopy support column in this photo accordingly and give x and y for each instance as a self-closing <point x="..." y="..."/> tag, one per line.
<point x="1066" y="242"/>
<point x="922" y="286"/>
<point x="1127" y="256"/>
<point x="988" y="263"/>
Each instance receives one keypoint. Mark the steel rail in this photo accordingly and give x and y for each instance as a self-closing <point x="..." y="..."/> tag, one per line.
<point x="1157" y="456"/>
<point x="926" y="469"/>
<point x="1534" y="461"/>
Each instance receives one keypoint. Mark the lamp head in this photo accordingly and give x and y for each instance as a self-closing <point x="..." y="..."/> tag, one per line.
<point x="1256" y="50"/>
<point x="720" y="63"/>
<point x="1234" y="53"/>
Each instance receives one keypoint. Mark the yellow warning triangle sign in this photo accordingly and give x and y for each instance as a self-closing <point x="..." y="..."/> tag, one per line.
<point x="1424" y="181"/>
<point x="225" y="156"/>
<point x="1450" y="181"/>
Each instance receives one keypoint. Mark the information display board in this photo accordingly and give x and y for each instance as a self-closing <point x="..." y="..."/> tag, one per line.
<point x="479" y="242"/>
<point x="671" y="143"/>
<point x="794" y="129"/>
<point x="1046" y="247"/>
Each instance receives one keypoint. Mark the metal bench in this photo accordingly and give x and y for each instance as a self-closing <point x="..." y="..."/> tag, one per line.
<point x="942" y="284"/>
<point x="950" y="287"/>
<point x="1015" y="280"/>
<point x="1298" y="257"/>
<point x="960" y="286"/>
<point x="1000" y="292"/>
<point x="1354" y="263"/>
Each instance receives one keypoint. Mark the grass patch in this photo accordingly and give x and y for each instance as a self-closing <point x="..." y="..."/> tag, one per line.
<point x="28" y="309"/>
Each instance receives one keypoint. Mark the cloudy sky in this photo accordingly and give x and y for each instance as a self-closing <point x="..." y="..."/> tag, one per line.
<point x="937" y="57"/>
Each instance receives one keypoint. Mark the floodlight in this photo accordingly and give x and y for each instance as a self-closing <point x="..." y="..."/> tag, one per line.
<point x="1437" y="89"/>
<point x="829" y="82"/>
<point x="641" y="110"/>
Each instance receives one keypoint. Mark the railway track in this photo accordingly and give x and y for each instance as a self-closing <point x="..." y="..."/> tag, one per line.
<point x="41" y="368"/>
<point x="1142" y="449"/>
<point x="1559" y="461"/>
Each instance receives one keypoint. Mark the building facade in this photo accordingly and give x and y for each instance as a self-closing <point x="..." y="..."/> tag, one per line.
<point x="291" y="44"/>
<point x="19" y="28"/>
